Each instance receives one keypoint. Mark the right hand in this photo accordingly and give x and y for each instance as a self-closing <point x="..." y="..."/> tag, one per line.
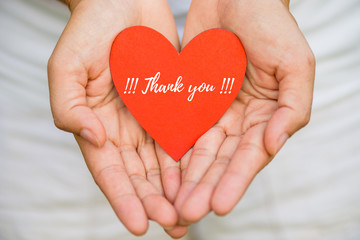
<point x="273" y="103"/>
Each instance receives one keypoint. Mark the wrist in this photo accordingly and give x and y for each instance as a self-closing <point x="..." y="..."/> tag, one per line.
<point x="286" y="3"/>
<point x="72" y="4"/>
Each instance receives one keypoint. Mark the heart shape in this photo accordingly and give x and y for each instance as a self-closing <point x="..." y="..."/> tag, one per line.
<point x="177" y="97"/>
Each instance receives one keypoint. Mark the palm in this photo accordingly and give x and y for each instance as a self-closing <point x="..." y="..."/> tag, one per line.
<point x="119" y="153"/>
<point x="273" y="103"/>
<point x="126" y="167"/>
<point x="240" y="132"/>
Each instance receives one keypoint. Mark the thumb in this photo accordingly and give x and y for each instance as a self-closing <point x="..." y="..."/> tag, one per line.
<point x="296" y="83"/>
<point x="67" y="82"/>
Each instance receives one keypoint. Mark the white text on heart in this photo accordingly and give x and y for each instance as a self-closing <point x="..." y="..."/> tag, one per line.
<point x="177" y="87"/>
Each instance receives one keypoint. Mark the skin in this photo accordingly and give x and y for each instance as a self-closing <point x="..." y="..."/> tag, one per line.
<point x="120" y="155"/>
<point x="139" y="179"/>
<point x="274" y="102"/>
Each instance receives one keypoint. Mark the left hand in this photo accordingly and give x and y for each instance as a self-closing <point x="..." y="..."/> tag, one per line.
<point x="119" y="153"/>
<point x="274" y="102"/>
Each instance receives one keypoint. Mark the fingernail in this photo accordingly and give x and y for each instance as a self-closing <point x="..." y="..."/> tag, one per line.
<point x="282" y="141"/>
<point x="90" y="137"/>
<point x="169" y="228"/>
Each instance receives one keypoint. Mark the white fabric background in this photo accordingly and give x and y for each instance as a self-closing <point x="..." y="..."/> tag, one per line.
<point x="310" y="191"/>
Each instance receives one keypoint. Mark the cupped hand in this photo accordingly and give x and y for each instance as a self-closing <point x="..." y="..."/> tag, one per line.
<point x="273" y="103"/>
<point x="119" y="153"/>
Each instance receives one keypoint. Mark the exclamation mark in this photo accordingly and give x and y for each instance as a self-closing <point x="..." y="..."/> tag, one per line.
<point x="132" y="81"/>
<point x="222" y="86"/>
<point x="232" y="82"/>
<point x="137" y="79"/>
<point x="127" y="83"/>
<point x="227" y="84"/>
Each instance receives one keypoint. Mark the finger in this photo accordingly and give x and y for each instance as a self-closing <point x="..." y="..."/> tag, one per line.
<point x="170" y="174"/>
<point x="184" y="162"/>
<point x="110" y="175"/>
<point x="177" y="232"/>
<point x="203" y="155"/>
<point x="201" y="195"/>
<point x="150" y="162"/>
<point x="249" y="158"/>
<point x="296" y="83"/>
<point x="67" y="82"/>
<point x="157" y="207"/>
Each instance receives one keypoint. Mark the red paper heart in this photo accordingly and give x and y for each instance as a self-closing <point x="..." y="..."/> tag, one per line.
<point x="141" y="58"/>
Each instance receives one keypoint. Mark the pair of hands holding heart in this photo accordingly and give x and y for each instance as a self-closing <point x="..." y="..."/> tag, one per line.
<point x="138" y="178"/>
